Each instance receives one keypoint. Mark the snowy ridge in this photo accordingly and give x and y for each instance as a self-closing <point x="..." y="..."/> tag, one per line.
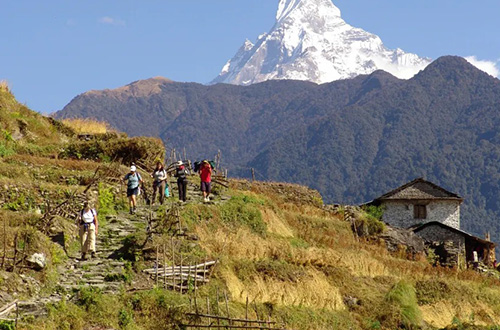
<point x="310" y="41"/>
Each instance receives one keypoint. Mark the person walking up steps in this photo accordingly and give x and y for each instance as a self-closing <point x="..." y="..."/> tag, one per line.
<point x="88" y="229"/>
<point x="206" y="180"/>
<point x="133" y="182"/>
<point x="181" y="175"/>
<point x="159" y="182"/>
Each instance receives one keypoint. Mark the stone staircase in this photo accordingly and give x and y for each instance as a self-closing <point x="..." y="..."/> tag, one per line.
<point x="108" y="271"/>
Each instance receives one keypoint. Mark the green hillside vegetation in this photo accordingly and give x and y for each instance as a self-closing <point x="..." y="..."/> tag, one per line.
<point x="276" y="244"/>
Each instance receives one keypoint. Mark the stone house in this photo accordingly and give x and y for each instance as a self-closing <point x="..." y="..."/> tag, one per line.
<point x="451" y="244"/>
<point x="433" y="213"/>
<point x="418" y="202"/>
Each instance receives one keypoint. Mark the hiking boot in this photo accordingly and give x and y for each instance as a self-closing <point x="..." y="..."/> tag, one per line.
<point x="131" y="211"/>
<point x="84" y="256"/>
<point x="93" y="254"/>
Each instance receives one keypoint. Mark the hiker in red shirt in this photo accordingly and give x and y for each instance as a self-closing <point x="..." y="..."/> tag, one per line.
<point x="206" y="180"/>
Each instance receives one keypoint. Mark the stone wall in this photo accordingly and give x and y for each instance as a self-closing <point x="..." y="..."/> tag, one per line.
<point x="449" y="246"/>
<point x="400" y="213"/>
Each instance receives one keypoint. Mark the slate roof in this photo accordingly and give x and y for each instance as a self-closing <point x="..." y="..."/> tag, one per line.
<point x="419" y="189"/>
<point x="461" y="232"/>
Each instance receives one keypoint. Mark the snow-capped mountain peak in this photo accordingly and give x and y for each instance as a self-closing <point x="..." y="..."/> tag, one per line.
<point x="310" y="41"/>
<point x="286" y="7"/>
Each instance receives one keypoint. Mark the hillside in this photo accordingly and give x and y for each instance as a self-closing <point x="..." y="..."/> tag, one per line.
<point x="363" y="136"/>
<point x="275" y="245"/>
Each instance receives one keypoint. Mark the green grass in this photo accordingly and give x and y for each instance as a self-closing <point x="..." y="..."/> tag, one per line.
<point x="403" y="302"/>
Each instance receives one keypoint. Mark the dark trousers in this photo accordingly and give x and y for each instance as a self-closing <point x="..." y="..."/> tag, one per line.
<point x="160" y="187"/>
<point x="182" y="186"/>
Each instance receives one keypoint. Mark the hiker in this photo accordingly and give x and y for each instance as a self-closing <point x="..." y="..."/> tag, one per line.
<point x="159" y="176"/>
<point x="134" y="180"/>
<point x="206" y="179"/>
<point x="181" y="175"/>
<point x="88" y="229"/>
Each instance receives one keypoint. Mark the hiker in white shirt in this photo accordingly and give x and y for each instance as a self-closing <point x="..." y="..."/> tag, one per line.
<point x="159" y="176"/>
<point x="88" y="229"/>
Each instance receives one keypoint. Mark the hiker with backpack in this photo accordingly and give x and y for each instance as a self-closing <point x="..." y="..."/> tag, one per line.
<point x="206" y="179"/>
<point x="88" y="226"/>
<point x="181" y="174"/>
<point x="134" y="180"/>
<point x="159" y="176"/>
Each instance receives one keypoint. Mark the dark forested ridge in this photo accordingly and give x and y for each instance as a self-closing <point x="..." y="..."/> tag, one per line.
<point x="352" y="140"/>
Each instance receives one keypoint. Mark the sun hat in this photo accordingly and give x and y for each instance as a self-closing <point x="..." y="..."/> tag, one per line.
<point x="133" y="168"/>
<point x="179" y="163"/>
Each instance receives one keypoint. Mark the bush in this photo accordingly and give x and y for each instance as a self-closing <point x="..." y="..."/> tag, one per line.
<point x="402" y="306"/>
<point x="89" y="298"/>
<point x="110" y="147"/>
<point x="5" y="151"/>
<point x="7" y="325"/>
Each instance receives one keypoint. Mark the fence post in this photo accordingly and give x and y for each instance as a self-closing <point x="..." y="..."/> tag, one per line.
<point x="165" y="265"/>
<point x="208" y="312"/>
<point x="246" y="310"/>
<point x="218" y="313"/>
<point x="227" y="310"/>
<point x="173" y="263"/>
<point x="157" y="265"/>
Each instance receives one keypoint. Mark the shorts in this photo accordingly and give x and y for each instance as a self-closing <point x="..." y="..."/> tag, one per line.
<point x="206" y="186"/>
<point x="132" y="191"/>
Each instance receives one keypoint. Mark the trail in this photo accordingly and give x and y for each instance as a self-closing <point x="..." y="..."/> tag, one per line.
<point x="108" y="271"/>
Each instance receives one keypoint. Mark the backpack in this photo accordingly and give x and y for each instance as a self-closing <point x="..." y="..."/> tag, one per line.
<point x="197" y="165"/>
<point x="94" y="213"/>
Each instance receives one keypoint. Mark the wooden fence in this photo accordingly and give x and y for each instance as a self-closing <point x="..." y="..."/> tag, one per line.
<point x="208" y="320"/>
<point x="7" y="309"/>
<point x="182" y="278"/>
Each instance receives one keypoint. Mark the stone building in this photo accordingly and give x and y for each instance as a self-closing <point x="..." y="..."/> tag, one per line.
<point x="419" y="202"/>
<point x="433" y="213"/>
<point x="454" y="246"/>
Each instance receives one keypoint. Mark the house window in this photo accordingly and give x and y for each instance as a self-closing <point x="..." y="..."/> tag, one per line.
<point x="420" y="212"/>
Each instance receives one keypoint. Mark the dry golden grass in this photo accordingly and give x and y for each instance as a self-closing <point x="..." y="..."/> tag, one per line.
<point x="276" y="225"/>
<point x="241" y="244"/>
<point x="87" y="126"/>
<point x="70" y="164"/>
<point x="4" y="86"/>
<point x="312" y="291"/>
<point x="442" y="313"/>
<point x="335" y="264"/>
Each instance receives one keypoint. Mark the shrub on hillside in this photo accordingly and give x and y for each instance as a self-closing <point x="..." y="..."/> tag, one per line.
<point x="368" y="222"/>
<point x="107" y="148"/>
<point x="401" y="308"/>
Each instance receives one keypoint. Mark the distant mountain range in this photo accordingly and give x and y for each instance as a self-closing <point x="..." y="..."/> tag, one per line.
<point x="351" y="139"/>
<point x="310" y="41"/>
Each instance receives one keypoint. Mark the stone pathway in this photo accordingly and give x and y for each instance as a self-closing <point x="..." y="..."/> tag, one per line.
<point x="108" y="271"/>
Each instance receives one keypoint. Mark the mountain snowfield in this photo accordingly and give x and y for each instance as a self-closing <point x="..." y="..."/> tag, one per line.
<point x="310" y="41"/>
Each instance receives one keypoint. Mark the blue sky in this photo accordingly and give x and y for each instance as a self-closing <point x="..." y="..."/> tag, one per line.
<point x="53" y="50"/>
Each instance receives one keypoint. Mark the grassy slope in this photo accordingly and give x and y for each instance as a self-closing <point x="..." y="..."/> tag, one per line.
<point x="275" y="244"/>
<point x="307" y="262"/>
<point x="300" y="264"/>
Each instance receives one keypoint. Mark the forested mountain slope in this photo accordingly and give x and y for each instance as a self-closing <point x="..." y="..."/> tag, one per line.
<point x="442" y="125"/>
<point x="352" y="140"/>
